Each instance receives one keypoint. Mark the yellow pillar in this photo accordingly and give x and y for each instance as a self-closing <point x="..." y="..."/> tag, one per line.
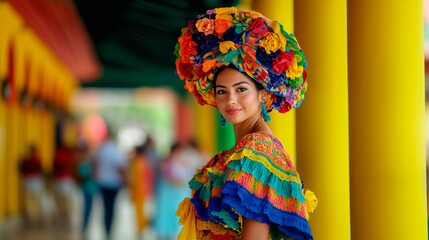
<point x="282" y="125"/>
<point x="11" y="29"/>
<point x="387" y="142"/>
<point x="322" y="119"/>
<point x="9" y="24"/>
<point x="45" y="151"/>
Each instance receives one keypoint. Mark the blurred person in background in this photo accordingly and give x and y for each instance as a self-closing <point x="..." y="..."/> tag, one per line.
<point x="85" y="178"/>
<point x="31" y="171"/>
<point x="63" y="185"/>
<point x="141" y="186"/>
<point x="150" y="151"/>
<point x="110" y="175"/>
<point x="205" y="156"/>
<point x="173" y="175"/>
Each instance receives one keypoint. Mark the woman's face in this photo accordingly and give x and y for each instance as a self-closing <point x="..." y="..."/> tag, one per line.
<point x="237" y="97"/>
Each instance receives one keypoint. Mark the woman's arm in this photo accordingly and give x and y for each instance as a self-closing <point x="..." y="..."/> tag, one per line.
<point x="254" y="230"/>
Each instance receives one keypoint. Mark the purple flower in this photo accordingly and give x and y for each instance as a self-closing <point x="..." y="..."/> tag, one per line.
<point x="277" y="79"/>
<point x="231" y="35"/>
<point x="266" y="59"/>
<point x="204" y="43"/>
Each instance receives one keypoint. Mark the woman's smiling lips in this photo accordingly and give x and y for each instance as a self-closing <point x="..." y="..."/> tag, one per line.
<point x="232" y="111"/>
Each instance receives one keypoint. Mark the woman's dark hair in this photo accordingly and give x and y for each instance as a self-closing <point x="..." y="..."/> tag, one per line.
<point x="232" y="66"/>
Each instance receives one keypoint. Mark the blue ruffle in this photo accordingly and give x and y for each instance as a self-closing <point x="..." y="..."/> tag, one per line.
<point x="214" y="207"/>
<point x="234" y="196"/>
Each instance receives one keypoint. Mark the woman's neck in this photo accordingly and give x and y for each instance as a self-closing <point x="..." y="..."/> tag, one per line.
<point x="251" y="125"/>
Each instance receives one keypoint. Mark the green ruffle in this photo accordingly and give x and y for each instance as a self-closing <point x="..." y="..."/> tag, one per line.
<point x="261" y="173"/>
<point x="226" y="217"/>
<point x="195" y="185"/>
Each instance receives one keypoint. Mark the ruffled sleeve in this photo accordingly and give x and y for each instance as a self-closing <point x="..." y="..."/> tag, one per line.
<point x="261" y="183"/>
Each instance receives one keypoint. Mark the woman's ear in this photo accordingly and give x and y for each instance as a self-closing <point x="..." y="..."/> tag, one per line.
<point x="263" y="94"/>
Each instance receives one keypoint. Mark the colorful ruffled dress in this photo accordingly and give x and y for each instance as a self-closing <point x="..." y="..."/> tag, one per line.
<point x="257" y="181"/>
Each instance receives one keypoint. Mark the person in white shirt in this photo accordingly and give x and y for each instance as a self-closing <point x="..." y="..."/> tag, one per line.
<point x="110" y="176"/>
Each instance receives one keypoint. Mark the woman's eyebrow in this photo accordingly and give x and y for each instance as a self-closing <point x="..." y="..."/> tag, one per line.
<point x="241" y="83"/>
<point x="233" y="85"/>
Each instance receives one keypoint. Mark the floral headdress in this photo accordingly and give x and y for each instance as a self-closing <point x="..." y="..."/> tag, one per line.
<point x="251" y="42"/>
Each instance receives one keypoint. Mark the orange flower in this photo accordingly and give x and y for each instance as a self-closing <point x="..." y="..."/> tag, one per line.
<point x="187" y="48"/>
<point x="221" y="25"/>
<point x="209" y="64"/>
<point x="254" y="15"/>
<point x="205" y="25"/>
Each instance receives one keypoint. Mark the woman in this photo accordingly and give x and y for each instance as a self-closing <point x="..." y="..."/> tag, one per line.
<point x="141" y="186"/>
<point x="244" y="65"/>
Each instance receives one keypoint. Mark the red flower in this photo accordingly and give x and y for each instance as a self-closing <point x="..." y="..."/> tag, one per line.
<point x="191" y="25"/>
<point x="184" y="70"/>
<point x="282" y="61"/>
<point x="285" y="108"/>
<point x="257" y="25"/>
<point x="199" y="97"/>
<point x="200" y="73"/>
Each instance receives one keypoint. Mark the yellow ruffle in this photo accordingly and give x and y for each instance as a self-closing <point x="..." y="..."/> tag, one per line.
<point x="186" y="212"/>
<point x="193" y="227"/>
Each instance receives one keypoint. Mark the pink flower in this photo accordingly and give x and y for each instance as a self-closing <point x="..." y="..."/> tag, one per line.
<point x="205" y="25"/>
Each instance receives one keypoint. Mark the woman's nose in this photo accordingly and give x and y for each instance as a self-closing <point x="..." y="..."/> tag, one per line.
<point x="232" y="98"/>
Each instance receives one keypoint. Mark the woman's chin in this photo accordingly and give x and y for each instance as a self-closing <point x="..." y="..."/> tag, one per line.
<point x="234" y="121"/>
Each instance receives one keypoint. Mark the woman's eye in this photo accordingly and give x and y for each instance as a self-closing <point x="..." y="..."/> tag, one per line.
<point x="242" y="89"/>
<point x="220" y="92"/>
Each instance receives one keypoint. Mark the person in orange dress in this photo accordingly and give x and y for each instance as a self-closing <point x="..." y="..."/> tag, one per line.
<point x="141" y="186"/>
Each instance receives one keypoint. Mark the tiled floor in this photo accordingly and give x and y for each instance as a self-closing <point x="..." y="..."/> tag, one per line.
<point x="124" y="227"/>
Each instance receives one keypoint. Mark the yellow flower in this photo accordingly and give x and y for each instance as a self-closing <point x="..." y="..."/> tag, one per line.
<point x="224" y="17"/>
<point x="310" y="202"/>
<point x="225" y="10"/>
<point x="275" y="40"/>
<point x="294" y="70"/>
<point x="272" y="43"/>
<point x="277" y="29"/>
<point x="185" y="30"/>
<point x="226" y="46"/>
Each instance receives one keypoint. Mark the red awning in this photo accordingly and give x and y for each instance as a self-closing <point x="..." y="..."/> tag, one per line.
<point x="59" y="25"/>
